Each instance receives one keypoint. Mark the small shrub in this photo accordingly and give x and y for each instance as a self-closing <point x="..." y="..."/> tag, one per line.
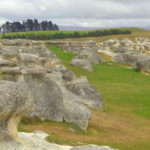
<point x="30" y="120"/>
<point x="37" y="118"/>
<point x="27" y="120"/>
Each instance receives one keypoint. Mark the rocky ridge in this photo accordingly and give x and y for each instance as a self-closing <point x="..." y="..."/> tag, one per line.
<point x="128" y="52"/>
<point x="58" y="94"/>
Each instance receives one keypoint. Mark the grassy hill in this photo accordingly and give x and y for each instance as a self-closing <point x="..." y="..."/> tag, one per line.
<point x="136" y="32"/>
<point x="125" y="122"/>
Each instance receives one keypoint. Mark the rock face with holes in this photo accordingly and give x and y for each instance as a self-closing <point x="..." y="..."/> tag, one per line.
<point x="57" y="92"/>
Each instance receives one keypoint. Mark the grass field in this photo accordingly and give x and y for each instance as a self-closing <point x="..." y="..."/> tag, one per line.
<point x="136" y="32"/>
<point x="125" y="122"/>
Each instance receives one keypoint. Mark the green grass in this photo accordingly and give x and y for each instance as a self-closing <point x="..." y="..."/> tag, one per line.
<point x="134" y="91"/>
<point x="136" y="32"/>
<point x="125" y="122"/>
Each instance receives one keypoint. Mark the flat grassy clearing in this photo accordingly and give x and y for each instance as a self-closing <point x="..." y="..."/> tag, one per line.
<point x="125" y="122"/>
<point x="136" y="32"/>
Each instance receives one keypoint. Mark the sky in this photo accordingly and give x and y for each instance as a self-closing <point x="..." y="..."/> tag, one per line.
<point x="87" y="13"/>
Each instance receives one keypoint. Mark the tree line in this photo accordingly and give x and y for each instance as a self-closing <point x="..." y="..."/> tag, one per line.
<point x="29" y="25"/>
<point x="62" y="35"/>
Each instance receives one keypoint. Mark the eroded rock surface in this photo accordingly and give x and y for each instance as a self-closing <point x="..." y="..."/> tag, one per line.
<point x="84" y="48"/>
<point x="57" y="92"/>
<point x="128" y="52"/>
<point x="15" y="101"/>
<point x="80" y="60"/>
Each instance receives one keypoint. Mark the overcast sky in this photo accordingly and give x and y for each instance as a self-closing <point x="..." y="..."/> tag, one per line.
<point x="88" y="13"/>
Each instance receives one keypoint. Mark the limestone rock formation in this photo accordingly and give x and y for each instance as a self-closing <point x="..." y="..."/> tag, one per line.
<point x="84" y="48"/>
<point x="128" y="44"/>
<point x="92" y="147"/>
<point x="142" y="45"/>
<point x="56" y="91"/>
<point x="143" y="66"/>
<point x="110" y="44"/>
<point x="80" y="60"/>
<point x="127" y="58"/>
<point x="15" y="101"/>
<point x="129" y="52"/>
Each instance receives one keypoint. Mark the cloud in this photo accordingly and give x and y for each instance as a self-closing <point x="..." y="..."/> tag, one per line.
<point x="73" y="12"/>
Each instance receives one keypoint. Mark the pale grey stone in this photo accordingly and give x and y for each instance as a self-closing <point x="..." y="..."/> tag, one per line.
<point x="15" y="101"/>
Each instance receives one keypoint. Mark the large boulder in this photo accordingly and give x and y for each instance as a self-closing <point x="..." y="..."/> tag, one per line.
<point x="85" y="93"/>
<point x="109" y="45"/>
<point x="143" y="66"/>
<point x="142" y="45"/>
<point x="127" y="58"/>
<point x="95" y="58"/>
<point x="27" y="60"/>
<point x="43" y="52"/>
<point x="15" y="101"/>
<point x="80" y="60"/>
<point x="48" y="103"/>
<point x="128" y="44"/>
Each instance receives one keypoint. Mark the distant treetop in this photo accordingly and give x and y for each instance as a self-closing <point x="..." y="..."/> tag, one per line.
<point x="29" y="25"/>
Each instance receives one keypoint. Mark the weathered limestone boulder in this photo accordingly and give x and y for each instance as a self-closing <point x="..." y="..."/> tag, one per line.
<point x="38" y="43"/>
<point x="75" y="112"/>
<point x="5" y="42"/>
<point x="114" y="46"/>
<point x="36" y="141"/>
<point x="11" y="52"/>
<point x="27" y="60"/>
<point x="85" y="92"/>
<point x="20" y="42"/>
<point x="127" y="58"/>
<point x="7" y="64"/>
<point x="120" y="50"/>
<point x="46" y="93"/>
<point x="12" y="74"/>
<point x="128" y="44"/>
<point x="89" y="43"/>
<point x="143" y="65"/>
<point x="15" y="101"/>
<point x="92" y="147"/>
<point x="80" y="60"/>
<point x="42" y="52"/>
<point x="142" y="45"/>
<point x="95" y="58"/>
<point x="110" y="44"/>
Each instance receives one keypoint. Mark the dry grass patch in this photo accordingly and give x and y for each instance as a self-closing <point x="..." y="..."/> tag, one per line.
<point x="103" y="128"/>
<point x="105" y="57"/>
